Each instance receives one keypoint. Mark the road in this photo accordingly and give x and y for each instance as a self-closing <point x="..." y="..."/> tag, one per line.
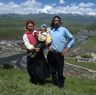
<point x="11" y="58"/>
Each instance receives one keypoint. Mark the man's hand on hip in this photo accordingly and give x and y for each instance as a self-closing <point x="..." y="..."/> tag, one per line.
<point x="65" y="52"/>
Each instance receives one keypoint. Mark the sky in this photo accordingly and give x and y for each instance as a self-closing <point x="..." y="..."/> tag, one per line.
<point x="83" y="7"/>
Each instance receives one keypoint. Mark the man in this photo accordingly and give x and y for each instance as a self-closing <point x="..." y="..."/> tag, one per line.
<point x="58" y="49"/>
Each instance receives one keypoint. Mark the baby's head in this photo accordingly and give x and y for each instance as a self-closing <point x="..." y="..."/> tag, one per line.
<point x="43" y="28"/>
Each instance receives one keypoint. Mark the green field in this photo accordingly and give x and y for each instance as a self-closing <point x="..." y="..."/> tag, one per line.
<point x="15" y="24"/>
<point x="90" y="65"/>
<point x="11" y="33"/>
<point x="16" y="82"/>
<point x="91" y="43"/>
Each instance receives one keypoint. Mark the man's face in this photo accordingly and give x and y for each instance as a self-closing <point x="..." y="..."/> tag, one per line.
<point x="56" y="22"/>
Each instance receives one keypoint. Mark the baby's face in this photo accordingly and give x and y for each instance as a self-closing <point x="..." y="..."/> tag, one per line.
<point x="43" y="30"/>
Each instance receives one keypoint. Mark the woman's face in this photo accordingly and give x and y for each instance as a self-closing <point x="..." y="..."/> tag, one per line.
<point x="56" y="21"/>
<point x="30" y="27"/>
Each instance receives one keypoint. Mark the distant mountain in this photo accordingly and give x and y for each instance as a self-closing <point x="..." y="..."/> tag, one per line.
<point x="42" y="16"/>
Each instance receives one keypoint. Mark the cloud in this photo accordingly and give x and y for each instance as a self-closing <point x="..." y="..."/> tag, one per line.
<point x="27" y="7"/>
<point x="61" y="2"/>
<point x="87" y="5"/>
<point x="34" y="7"/>
<point x="46" y="9"/>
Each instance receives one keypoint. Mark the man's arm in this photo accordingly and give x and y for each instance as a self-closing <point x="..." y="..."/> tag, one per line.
<point x="70" y="43"/>
<point x="70" y="37"/>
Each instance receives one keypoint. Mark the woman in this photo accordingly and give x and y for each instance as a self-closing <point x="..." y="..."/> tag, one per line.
<point x="36" y="65"/>
<point x="58" y="49"/>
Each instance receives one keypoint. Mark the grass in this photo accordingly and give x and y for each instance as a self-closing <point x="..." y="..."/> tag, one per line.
<point x="83" y="64"/>
<point x="16" y="22"/>
<point x="12" y="33"/>
<point x="16" y="82"/>
<point x="90" y="42"/>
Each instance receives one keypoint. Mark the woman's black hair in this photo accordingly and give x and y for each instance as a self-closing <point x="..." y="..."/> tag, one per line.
<point x="52" y="23"/>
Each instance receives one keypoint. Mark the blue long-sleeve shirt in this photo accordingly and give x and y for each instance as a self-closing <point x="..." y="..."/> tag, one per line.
<point x="60" y="38"/>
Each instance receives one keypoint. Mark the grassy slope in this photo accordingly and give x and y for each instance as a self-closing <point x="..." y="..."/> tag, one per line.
<point x="16" y="82"/>
<point x="14" y="24"/>
<point x="83" y="64"/>
<point x="91" y="43"/>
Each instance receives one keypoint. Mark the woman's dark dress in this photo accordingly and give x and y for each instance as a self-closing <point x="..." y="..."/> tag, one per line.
<point x="37" y="67"/>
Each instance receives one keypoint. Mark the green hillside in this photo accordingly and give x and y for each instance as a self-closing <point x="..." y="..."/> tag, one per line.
<point x="12" y="24"/>
<point x="16" y="82"/>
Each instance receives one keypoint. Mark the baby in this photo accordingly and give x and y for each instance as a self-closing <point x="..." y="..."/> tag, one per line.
<point x="43" y="39"/>
<point x="44" y="36"/>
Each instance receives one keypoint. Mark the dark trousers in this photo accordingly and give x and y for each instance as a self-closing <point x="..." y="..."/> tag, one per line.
<point x="56" y="65"/>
